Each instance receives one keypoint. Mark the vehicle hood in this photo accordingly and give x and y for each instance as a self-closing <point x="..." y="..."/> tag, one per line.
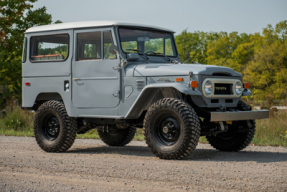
<point x="180" y="69"/>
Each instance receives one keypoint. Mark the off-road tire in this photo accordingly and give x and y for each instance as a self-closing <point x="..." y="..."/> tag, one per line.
<point x="188" y="123"/>
<point x="121" y="138"/>
<point x="67" y="127"/>
<point x="237" y="141"/>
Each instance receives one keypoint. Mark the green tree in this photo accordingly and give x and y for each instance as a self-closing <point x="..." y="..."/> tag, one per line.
<point x="268" y="68"/>
<point x="194" y="44"/>
<point x="15" y="18"/>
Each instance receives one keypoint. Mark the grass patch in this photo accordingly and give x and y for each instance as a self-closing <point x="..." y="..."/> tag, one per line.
<point x="272" y="131"/>
<point x="269" y="132"/>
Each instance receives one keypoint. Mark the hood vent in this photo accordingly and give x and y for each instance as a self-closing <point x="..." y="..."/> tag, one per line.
<point x="221" y="74"/>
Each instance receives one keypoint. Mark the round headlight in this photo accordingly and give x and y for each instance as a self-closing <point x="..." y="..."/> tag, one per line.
<point x="208" y="88"/>
<point x="238" y="88"/>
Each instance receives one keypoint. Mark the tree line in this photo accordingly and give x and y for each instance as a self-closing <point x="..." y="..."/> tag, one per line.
<point x="261" y="57"/>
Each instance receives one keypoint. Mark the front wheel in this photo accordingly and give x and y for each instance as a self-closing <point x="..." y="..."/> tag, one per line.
<point x="171" y="129"/>
<point x="231" y="141"/>
<point x="235" y="139"/>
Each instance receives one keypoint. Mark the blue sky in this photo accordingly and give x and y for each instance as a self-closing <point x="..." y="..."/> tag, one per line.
<point x="244" y="16"/>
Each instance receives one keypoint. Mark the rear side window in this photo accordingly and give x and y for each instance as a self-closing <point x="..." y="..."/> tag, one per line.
<point x="89" y="45"/>
<point x="49" y="48"/>
<point x="24" y="55"/>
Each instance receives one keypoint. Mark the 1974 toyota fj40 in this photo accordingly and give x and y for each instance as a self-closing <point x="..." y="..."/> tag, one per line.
<point x="116" y="77"/>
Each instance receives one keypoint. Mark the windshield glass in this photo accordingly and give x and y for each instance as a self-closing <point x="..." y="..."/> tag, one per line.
<point x="147" y="42"/>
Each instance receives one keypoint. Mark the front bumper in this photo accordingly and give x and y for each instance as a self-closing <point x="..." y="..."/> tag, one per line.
<point x="239" y="115"/>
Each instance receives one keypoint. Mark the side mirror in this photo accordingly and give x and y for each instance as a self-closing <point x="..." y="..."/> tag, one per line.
<point x="133" y="57"/>
<point x="113" y="49"/>
<point x="187" y="57"/>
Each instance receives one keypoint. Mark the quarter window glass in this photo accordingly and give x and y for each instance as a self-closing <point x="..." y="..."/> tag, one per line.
<point x="50" y="47"/>
<point x="89" y="46"/>
<point x="24" y="50"/>
<point x="108" y="42"/>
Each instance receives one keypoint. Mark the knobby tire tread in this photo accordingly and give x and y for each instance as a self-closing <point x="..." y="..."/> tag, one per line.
<point x="124" y="137"/>
<point x="69" y="127"/>
<point x="243" y="139"/>
<point x="190" y="123"/>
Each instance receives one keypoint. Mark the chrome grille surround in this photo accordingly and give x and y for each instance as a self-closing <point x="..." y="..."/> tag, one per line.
<point x="214" y="81"/>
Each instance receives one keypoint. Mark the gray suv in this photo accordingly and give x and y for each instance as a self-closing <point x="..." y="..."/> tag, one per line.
<point x="116" y="77"/>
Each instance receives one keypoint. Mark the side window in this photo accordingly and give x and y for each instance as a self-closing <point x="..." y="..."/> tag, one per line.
<point x="49" y="47"/>
<point x="24" y="54"/>
<point x="108" y="41"/>
<point x="89" y="46"/>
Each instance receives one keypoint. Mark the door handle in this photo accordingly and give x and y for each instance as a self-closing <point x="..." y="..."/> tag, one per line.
<point x="116" y="94"/>
<point x="116" y="67"/>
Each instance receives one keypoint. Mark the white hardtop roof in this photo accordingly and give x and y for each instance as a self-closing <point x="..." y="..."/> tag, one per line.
<point x="89" y="24"/>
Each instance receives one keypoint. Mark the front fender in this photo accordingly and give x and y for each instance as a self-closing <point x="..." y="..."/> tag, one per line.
<point x="178" y="86"/>
<point x="154" y="92"/>
<point x="246" y="92"/>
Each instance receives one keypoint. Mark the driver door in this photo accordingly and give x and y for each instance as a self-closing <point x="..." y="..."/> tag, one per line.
<point x="95" y="78"/>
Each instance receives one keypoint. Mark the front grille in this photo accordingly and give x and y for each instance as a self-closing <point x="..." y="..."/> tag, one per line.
<point x="223" y="89"/>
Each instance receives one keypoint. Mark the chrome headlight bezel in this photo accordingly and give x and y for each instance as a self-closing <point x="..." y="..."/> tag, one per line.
<point x="208" y="87"/>
<point x="238" y="88"/>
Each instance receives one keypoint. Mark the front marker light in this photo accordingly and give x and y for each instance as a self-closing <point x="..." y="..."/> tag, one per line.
<point x="208" y="88"/>
<point x="194" y="84"/>
<point x="238" y="88"/>
<point x="246" y="85"/>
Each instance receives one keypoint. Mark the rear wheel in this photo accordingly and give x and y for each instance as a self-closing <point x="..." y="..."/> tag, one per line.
<point x="113" y="136"/>
<point x="171" y="129"/>
<point x="54" y="130"/>
<point x="238" y="137"/>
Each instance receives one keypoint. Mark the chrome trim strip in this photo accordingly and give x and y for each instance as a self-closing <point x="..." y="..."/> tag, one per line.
<point x="95" y="78"/>
<point x="102" y="116"/>
<point x="239" y="115"/>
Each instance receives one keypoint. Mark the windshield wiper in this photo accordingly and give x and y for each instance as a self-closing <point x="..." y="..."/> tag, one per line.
<point x="157" y="53"/>
<point x="140" y="53"/>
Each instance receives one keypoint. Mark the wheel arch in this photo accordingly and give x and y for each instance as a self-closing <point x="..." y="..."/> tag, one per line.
<point x="153" y="92"/>
<point x="43" y="97"/>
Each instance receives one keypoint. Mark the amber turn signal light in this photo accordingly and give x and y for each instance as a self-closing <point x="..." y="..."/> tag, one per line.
<point x="246" y="85"/>
<point x="179" y="79"/>
<point x="194" y="84"/>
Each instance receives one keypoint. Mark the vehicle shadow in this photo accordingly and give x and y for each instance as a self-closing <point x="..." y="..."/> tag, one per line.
<point x="197" y="155"/>
<point x="241" y="156"/>
<point x="125" y="150"/>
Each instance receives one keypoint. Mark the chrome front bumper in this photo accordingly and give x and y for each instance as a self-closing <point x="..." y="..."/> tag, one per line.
<point x="239" y="115"/>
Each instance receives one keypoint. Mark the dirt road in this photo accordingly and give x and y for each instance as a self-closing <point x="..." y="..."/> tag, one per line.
<point x="90" y="165"/>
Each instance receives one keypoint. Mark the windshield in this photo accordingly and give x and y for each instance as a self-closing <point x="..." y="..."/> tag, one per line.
<point x="147" y="42"/>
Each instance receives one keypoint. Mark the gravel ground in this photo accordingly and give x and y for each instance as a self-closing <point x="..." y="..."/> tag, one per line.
<point x="92" y="166"/>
